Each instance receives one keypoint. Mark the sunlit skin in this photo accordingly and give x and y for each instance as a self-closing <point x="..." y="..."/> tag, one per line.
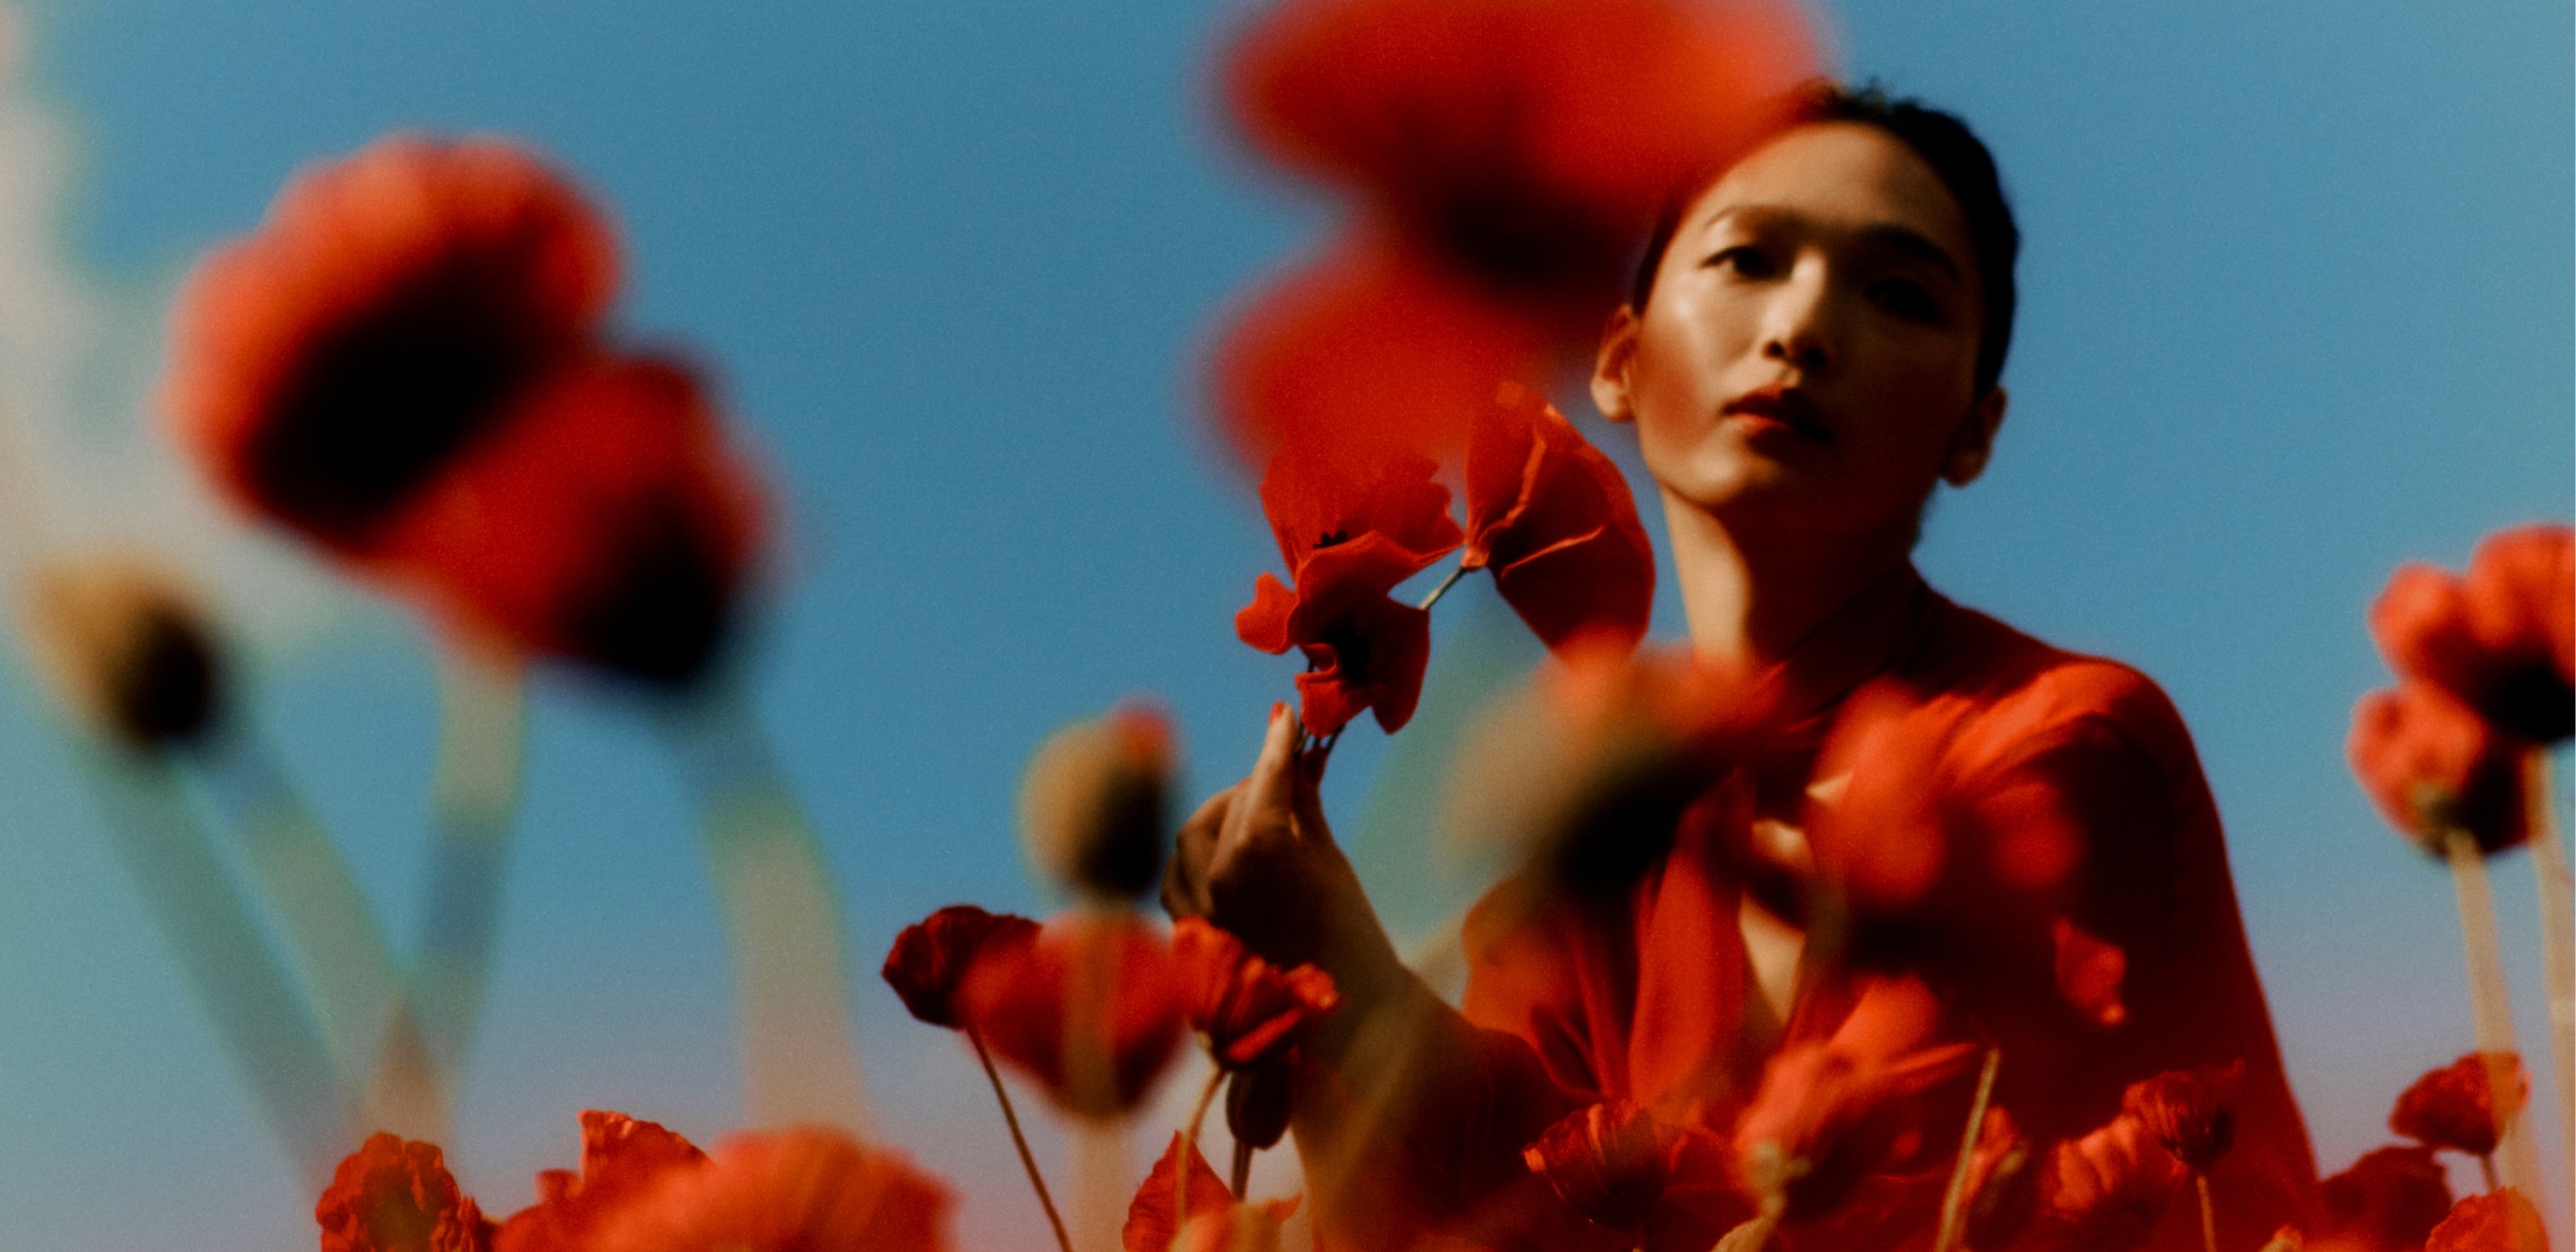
<point x="1802" y="376"/>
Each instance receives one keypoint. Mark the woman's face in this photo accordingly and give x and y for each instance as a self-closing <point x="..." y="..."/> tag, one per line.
<point x="1808" y="356"/>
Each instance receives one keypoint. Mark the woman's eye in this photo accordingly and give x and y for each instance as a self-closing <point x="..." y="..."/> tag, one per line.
<point x="1745" y="259"/>
<point x="1906" y="299"/>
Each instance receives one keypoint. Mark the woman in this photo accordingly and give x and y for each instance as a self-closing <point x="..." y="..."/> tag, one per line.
<point x="1813" y="342"/>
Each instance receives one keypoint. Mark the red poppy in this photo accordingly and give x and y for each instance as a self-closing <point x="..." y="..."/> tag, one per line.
<point x="2090" y="972"/>
<point x="2191" y="1112"/>
<point x="2499" y="639"/>
<point x="326" y="368"/>
<point x="2433" y="765"/>
<point x="1092" y="1010"/>
<point x="803" y="1190"/>
<point x="1093" y="803"/>
<point x="2454" y="1106"/>
<point x="394" y="1195"/>
<point x="1251" y="1011"/>
<point x="1609" y="1162"/>
<point x="930" y="960"/>
<point x="1525" y="144"/>
<point x="1365" y="351"/>
<point x="622" y="1159"/>
<point x="1152" y="1226"/>
<point x="2391" y="1198"/>
<point x="605" y="521"/>
<point x="1832" y="1112"/>
<point x="1554" y="520"/>
<point x="2104" y="1191"/>
<point x="2499" y="1221"/>
<point x="1380" y="519"/>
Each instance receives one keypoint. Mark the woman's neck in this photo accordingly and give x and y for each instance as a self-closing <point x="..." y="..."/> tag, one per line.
<point x="1751" y="601"/>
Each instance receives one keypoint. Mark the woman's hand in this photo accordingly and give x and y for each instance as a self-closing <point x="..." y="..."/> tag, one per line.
<point x="1259" y="860"/>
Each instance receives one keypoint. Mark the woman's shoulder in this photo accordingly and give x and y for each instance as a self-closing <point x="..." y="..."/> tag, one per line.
<point x="2011" y="696"/>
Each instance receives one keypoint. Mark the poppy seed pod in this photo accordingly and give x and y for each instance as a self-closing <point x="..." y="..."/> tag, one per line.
<point x="127" y="649"/>
<point x="1094" y="804"/>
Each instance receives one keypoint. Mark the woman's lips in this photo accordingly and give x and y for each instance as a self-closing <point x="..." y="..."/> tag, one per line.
<point x="1784" y="406"/>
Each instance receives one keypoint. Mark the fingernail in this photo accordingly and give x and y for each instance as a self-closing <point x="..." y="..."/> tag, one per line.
<point x="1278" y="709"/>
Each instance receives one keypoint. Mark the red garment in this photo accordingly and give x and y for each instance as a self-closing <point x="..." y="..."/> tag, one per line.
<point x="1652" y="998"/>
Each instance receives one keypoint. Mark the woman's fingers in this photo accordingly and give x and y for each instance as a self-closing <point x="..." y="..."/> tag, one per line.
<point x="1185" y="880"/>
<point x="1268" y="789"/>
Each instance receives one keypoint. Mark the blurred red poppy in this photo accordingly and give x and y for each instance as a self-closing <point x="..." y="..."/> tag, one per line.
<point x="804" y="1190"/>
<point x="326" y="368"/>
<point x="2003" y="1183"/>
<point x="1094" y="803"/>
<point x="2433" y="765"/>
<point x="1609" y="1162"/>
<point x="604" y="521"/>
<point x="2499" y="1221"/>
<point x="2454" y="1106"/>
<point x="930" y="960"/>
<point x="1554" y="520"/>
<point x="395" y="1195"/>
<point x="2390" y="1199"/>
<point x="2501" y="638"/>
<point x="622" y="1159"/>
<point x="1832" y="1112"/>
<point x="1251" y="1011"/>
<point x="2191" y="1112"/>
<point x="1092" y="1010"/>
<point x="2105" y="1191"/>
<point x="2090" y="973"/>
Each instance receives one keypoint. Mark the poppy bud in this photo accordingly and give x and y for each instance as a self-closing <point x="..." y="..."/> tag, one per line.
<point x="1258" y="1102"/>
<point x="2192" y="1113"/>
<point x="128" y="650"/>
<point x="1094" y="803"/>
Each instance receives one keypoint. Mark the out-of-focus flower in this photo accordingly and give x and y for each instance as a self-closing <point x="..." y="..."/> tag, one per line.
<point x="2502" y="1220"/>
<point x="928" y="965"/>
<point x="2502" y="639"/>
<point x="2090" y="972"/>
<point x="2003" y="1183"/>
<point x="127" y="649"/>
<point x="803" y="1190"/>
<point x="2286" y="1239"/>
<point x="1094" y="803"/>
<point x="1152" y="1222"/>
<point x="1092" y="1010"/>
<point x="2432" y="766"/>
<point x="1259" y="1101"/>
<point x="2191" y="1112"/>
<point x="1832" y="1112"/>
<point x="2391" y="1198"/>
<point x="395" y="1195"/>
<point x="1553" y="519"/>
<point x="2454" y="1106"/>
<point x="604" y="520"/>
<point x="1347" y="540"/>
<point x="327" y="367"/>
<point x="2104" y="1191"/>
<point x="1251" y="1011"/>
<point x="622" y="1159"/>
<point x="1609" y="1162"/>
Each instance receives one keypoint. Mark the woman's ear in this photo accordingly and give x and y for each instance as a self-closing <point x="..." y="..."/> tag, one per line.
<point x="1610" y="366"/>
<point x="1976" y="442"/>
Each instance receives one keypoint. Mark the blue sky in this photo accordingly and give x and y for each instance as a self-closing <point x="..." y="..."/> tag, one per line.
<point x="2296" y="306"/>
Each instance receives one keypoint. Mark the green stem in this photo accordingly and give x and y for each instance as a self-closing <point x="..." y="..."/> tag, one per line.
<point x="2557" y="932"/>
<point x="473" y="794"/>
<point x="1954" y="1199"/>
<point x="1443" y="589"/>
<point x="1240" y="1177"/>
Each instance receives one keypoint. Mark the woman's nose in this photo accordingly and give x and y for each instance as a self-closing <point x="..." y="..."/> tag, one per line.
<point x="1799" y="332"/>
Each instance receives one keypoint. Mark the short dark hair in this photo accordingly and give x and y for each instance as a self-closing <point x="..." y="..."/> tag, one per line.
<point x="1956" y="156"/>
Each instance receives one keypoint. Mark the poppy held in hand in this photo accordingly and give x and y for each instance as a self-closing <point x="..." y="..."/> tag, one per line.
<point x="2191" y="1112"/>
<point x="2434" y="766"/>
<point x="1250" y="1010"/>
<point x="803" y="1190"/>
<point x="1092" y="1010"/>
<point x="325" y="369"/>
<point x="930" y="961"/>
<point x="1553" y="519"/>
<point x="2499" y="638"/>
<point x="394" y="1195"/>
<point x="622" y="1159"/>
<point x="2454" y="1107"/>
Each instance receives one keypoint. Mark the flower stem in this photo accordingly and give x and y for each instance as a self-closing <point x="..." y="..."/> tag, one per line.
<point x="472" y="796"/>
<point x="2208" y="1213"/>
<point x="1063" y="1241"/>
<point x="1239" y="1179"/>
<point x="1190" y="1147"/>
<point x="2486" y="1166"/>
<point x="2557" y="932"/>
<point x="2489" y="1009"/>
<point x="1443" y="589"/>
<point x="1954" y="1199"/>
